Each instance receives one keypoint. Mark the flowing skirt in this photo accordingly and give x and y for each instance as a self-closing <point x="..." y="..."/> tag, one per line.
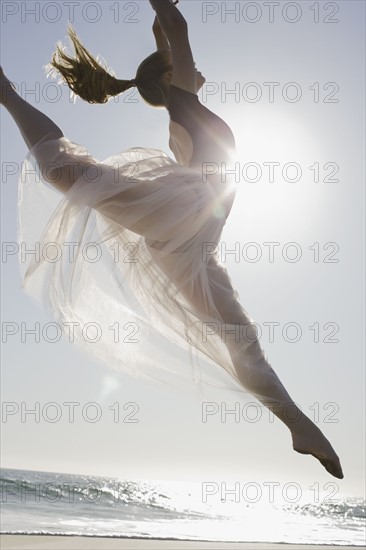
<point x="126" y="261"/>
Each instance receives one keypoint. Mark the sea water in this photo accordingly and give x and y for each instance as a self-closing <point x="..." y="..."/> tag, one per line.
<point x="64" y="504"/>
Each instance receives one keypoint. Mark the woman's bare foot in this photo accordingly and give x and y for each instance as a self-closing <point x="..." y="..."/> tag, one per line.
<point x="308" y="439"/>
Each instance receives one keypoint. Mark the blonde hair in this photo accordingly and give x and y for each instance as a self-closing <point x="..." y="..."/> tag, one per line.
<point x="95" y="83"/>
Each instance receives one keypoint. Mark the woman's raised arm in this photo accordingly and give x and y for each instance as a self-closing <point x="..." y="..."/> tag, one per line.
<point x="167" y="12"/>
<point x="160" y="38"/>
<point x="175" y="29"/>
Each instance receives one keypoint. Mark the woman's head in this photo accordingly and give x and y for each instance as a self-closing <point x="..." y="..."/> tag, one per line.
<point x="154" y="75"/>
<point x="88" y="79"/>
<point x="150" y="79"/>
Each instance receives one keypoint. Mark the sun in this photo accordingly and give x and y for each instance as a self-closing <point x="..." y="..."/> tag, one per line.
<point x="276" y="152"/>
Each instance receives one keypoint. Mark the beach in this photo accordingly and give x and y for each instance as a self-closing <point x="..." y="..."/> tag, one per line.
<point x="55" y="542"/>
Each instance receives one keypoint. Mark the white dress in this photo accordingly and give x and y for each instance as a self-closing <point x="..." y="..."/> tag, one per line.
<point x="124" y="265"/>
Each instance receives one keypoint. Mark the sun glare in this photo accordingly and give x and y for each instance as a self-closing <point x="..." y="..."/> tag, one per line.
<point x="276" y="156"/>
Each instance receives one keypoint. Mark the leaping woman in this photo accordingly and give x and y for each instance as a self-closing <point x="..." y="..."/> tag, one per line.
<point x="171" y="208"/>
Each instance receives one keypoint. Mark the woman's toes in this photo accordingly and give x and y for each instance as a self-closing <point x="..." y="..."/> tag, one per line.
<point x="332" y="466"/>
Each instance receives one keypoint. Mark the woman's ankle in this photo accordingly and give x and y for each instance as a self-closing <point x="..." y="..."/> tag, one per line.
<point x="302" y="426"/>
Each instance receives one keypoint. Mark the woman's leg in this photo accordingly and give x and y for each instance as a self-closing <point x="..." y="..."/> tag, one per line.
<point x="257" y="375"/>
<point x="33" y="124"/>
<point x="36" y="127"/>
<point x="251" y="365"/>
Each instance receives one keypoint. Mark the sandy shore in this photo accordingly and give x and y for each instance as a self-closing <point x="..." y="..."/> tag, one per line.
<point x="19" y="542"/>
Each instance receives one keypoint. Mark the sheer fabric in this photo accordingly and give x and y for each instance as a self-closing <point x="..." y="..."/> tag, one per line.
<point x="123" y="261"/>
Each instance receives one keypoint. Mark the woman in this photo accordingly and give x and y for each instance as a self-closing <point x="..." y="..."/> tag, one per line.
<point x="171" y="209"/>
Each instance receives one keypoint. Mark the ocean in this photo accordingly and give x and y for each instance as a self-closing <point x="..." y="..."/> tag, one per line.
<point x="64" y="504"/>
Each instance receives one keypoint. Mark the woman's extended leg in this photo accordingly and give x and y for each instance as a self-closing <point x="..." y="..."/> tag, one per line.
<point x="33" y="124"/>
<point x="257" y="376"/>
<point x="36" y="127"/>
<point x="252" y="368"/>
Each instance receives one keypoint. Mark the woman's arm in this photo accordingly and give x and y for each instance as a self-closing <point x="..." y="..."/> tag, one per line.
<point x="175" y="29"/>
<point x="167" y="13"/>
<point x="160" y="38"/>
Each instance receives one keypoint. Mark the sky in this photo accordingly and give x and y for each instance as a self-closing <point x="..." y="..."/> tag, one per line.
<point x="289" y="79"/>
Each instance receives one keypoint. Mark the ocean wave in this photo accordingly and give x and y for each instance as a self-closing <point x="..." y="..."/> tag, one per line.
<point x="80" y="505"/>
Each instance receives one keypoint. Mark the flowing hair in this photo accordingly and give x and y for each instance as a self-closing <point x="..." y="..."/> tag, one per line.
<point x="95" y="83"/>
